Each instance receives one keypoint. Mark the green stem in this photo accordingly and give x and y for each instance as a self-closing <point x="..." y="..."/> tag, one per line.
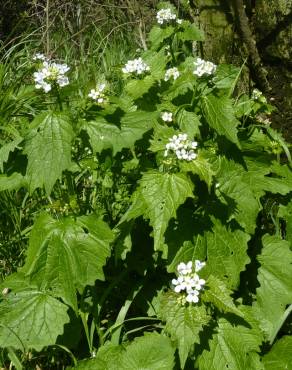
<point x="84" y="319"/>
<point x="59" y="100"/>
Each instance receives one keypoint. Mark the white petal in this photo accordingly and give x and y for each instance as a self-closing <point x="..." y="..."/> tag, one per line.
<point x="177" y="289"/>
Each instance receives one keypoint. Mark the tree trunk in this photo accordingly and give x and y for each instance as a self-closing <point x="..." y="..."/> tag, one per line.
<point x="259" y="32"/>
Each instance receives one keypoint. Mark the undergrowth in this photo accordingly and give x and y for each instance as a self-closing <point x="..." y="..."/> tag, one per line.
<point x="145" y="209"/>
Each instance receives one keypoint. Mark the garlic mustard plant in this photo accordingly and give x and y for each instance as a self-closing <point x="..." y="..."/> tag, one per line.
<point x="166" y="116"/>
<point x="98" y="94"/>
<point x="171" y="73"/>
<point x="136" y="66"/>
<point x="165" y="16"/>
<point x="203" y="67"/>
<point x="258" y="96"/>
<point x="40" y="56"/>
<point x="51" y="73"/>
<point x="188" y="281"/>
<point x="182" y="147"/>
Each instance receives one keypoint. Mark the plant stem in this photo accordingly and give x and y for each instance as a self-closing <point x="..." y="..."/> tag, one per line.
<point x="59" y="100"/>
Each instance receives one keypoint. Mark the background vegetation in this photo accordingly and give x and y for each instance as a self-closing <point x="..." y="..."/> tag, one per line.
<point x="96" y="38"/>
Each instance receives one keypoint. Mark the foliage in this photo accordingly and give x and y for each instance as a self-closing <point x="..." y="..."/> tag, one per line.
<point x="106" y="213"/>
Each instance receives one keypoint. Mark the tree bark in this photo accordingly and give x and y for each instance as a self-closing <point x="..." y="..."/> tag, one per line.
<point x="259" y="74"/>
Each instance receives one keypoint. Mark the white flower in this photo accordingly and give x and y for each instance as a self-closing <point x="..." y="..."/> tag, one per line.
<point x="171" y="73"/>
<point x="181" y="147"/>
<point x="188" y="282"/>
<point x="40" y="56"/>
<point x="98" y="95"/>
<point x="193" y="297"/>
<point x="166" y="116"/>
<point x="258" y="95"/>
<point x="199" y="265"/>
<point x="165" y="16"/>
<point x="101" y="87"/>
<point x="50" y="73"/>
<point x="179" y="21"/>
<point x="198" y="283"/>
<point x="178" y="284"/>
<point x="185" y="269"/>
<point x="137" y="66"/>
<point x="203" y="67"/>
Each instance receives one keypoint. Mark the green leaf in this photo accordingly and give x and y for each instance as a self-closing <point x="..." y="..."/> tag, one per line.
<point x="241" y="189"/>
<point x="243" y="106"/>
<point x="226" y="253"/>
<point x="218" y="294"/>
<point x="14" y="359"/>
<point x="231" y="347"/>
<point x="157" y="35"/>
<point x="235" y="191"/>
<point x="17" y="282"/>
<point x="111" y="355"/>
<point x="219" y="114"/>
<point x="6" y="149"/>
<point x="157" y="198"/>
<point x="92" y="364"/>
<point x="157" y="63"/>
<point x="125" y="102"/>
<point x="181" y="86"/>
<point x="13" y="182"/>
<point x="201" y="167"/>
<point x="65" y="255"/>
<point x="137" y="88"/>
<point x="153" y="351"/>
<point x="188" y="251"/>
<point x="183" y="323"/>
<point x="31" y="319"/>
<point x="256" y="142"/>
<point x="285" y="212"/>
<point x="261" y="177"/>
<point x="48" y="149"/>
<point x="104" y="135"/>
<point x="189" y="123"/>
<point x="108" y="357"/>
<point x="280" y="356"/>
<point x="161" y="137"/>
<point x="275" y="291"/>
<point x="191" y="33"/>
<point x="226" y="76"/>
<point x="276" y="136"/>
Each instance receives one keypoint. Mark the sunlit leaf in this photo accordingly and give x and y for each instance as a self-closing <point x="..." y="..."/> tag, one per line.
<point x="48" y="148"/>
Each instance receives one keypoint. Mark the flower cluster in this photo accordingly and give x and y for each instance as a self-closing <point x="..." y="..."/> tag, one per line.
<point x="182" y="147"/>
<point x="98" y="95"/>
<point x="258" y="95"/>
<point x="40" y="56"/>
<point x="165" y="16"/>
<point x="50" y="73"/>
<point x="166" y="116"/>
<point x="171" y="73"/>
<point x="188" y="280"/>
<point x="203" y="67"/>
<point x="137" y="66"/>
